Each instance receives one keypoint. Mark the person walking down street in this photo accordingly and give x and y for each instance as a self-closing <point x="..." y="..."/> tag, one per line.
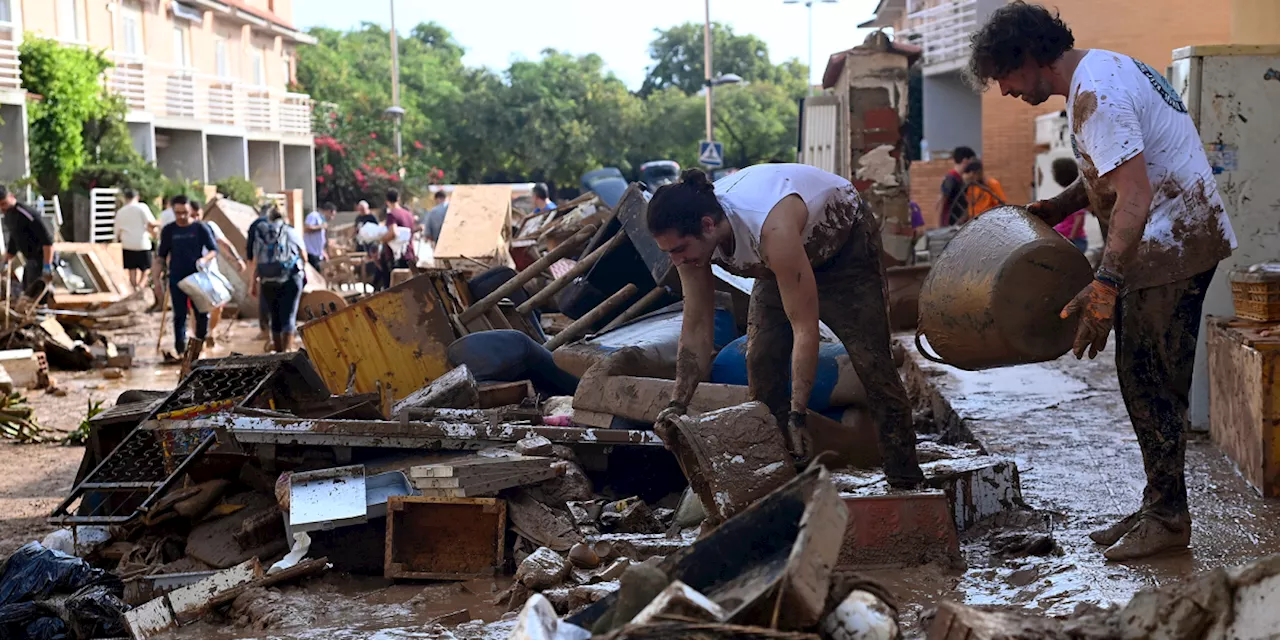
<point x="813" y="247"/>
<point x="1065" y="172"/>
<point x="433" y="221"/>
<point x="132" y="229"/>
<point x="1146" y="177"/>
<point x="397" y="245"/>
<point x="25" y="233"/>
<point x="264" y="315"/>
<point x="186" y="246"/>
<point x="224" y="245"/>
<point x="981" y="193"/>
<point x="315" y="234"/>
<point x="951" y="207"/>
<point x="278" y="276"/>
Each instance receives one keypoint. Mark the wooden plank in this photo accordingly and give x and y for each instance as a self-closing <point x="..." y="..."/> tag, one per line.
<point x="464" y="465"/>
<point x="463" y="482"/>
<point x="489" y="487"/>
<point x="478" y="224"/>
<point x="641" y="399"/>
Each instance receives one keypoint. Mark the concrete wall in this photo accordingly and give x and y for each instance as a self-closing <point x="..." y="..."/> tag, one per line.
<point x="228" y="157"/>
<point x="143" y="135"/>
<point x="184" y="154"/>
<point x="300" y="172"/>
<point x="952" y="114"/>
<point x="13" y="143"/>
<point x="266" y="165"/>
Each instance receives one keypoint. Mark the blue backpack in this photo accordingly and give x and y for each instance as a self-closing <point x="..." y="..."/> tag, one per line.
<point x="276" y="252"/>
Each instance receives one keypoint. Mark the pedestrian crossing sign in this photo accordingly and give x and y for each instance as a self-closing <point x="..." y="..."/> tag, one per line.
<point x="711" y="154"/>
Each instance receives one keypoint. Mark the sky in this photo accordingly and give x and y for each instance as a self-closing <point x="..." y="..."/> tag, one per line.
<point x="496" y="32"/>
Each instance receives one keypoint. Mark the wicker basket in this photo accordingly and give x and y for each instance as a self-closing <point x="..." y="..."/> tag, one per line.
<point x="1256" y="292"/>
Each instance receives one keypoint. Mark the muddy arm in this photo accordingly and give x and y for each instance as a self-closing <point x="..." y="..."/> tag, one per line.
<point x="697" y="337"/>
<point x="1129" y="218"/>
<point x="1057" y="208"/>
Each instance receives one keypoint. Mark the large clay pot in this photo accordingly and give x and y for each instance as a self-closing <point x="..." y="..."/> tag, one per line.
<point x="993" y="297"/>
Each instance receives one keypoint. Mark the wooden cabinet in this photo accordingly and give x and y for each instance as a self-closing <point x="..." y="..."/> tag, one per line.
<point x="1244" y="398"/>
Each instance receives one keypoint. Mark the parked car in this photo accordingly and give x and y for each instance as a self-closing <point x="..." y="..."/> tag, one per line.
<point x="608" y="183"/>
<point x="659" y="172"/>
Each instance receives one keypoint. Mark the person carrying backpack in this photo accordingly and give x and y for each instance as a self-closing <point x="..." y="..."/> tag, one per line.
<point x="278" y="276"/>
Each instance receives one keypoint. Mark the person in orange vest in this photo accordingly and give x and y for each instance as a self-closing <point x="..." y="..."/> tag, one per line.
<point x="981" y="192"/>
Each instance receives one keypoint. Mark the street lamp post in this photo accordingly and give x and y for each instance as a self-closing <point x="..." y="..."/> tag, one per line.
<point x="395" y="111"/>
<point x="809" y="6"/>
<point x="708" y="82"/>
<point x="706" y="65"/>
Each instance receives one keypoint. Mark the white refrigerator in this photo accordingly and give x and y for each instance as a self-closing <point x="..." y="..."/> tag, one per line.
<point x="1233" y="94"/>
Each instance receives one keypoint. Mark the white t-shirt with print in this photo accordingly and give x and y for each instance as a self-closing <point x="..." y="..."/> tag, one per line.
<point x="131" y="227"/>
<point x="749" y="195"/>
<point x="1120" y="107"/>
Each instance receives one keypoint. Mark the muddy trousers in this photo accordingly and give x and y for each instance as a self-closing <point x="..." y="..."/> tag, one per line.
<point x="851" y="301"/>
<point x="1156" y="333"/>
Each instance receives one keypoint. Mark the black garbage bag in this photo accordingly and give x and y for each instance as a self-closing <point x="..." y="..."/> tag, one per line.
<point x="49" y="628"/>
<point x="32" y="577"/>
<point x="96" y="611"/>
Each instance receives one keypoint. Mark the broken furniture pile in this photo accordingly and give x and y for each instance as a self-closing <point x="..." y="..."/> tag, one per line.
<point x="36" y="340"/>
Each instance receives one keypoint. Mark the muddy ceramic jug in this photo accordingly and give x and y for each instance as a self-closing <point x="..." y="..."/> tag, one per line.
<point x="993" y="297"/>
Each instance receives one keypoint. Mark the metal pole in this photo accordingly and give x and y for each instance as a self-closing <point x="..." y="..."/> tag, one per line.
<point x="706" y="63"/>
<point x="809" y="78"/>
<point x="395" y="74"/>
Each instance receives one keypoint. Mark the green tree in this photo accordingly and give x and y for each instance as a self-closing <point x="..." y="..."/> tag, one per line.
<point x="70" y="96"/>
<point x="678" y="59"/>
<point x="757" y="123"/>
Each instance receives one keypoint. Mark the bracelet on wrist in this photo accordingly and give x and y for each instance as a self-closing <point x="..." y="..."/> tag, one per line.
<point x="1109" y="277"/>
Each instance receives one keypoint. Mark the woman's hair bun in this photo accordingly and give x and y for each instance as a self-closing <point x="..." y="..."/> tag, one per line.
<point x="698" y="179"/>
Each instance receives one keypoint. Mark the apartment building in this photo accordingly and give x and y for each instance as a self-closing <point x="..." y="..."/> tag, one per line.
<point x="1003" y="130"/>
<point x="206" y="81"/>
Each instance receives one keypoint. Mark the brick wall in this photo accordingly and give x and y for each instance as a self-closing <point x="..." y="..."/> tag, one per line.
<point x="926" y="184"/>
<point x="1146" y="29"/>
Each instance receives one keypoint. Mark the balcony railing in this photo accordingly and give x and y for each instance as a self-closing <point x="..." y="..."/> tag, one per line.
<point x="182" y="93"/>
<point x="943" y="28"/>
<point x="222" y="102"/>
<point x="257" y="108"/>
<point x="128" y="78"/>
<point x="10" y="71"/>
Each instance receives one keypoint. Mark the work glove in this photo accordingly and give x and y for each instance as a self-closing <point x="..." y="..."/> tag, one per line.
<point x="798" y="442"/>
<point x="1096" y="305"/>
<point x="667" y="421"/>
<point x="46" y="273"/>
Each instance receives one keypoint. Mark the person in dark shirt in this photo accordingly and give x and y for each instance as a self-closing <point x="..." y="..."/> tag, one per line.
<point x="264" y="315"/>
<point x="27" y="234"/>
<point x="952" y="204"/>
<point x="187" y="246"/>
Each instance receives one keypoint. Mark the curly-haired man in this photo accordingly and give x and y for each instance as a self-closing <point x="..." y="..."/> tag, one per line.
<point x="1146" y="177"/>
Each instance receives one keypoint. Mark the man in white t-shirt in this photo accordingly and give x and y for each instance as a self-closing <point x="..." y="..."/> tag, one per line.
<point x="133" y="226"/>
<point x="813" y="247"/>
<point x="1145" y="176"/>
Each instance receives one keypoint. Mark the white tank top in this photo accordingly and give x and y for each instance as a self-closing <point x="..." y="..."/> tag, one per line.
<point x="749" y="195"/>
